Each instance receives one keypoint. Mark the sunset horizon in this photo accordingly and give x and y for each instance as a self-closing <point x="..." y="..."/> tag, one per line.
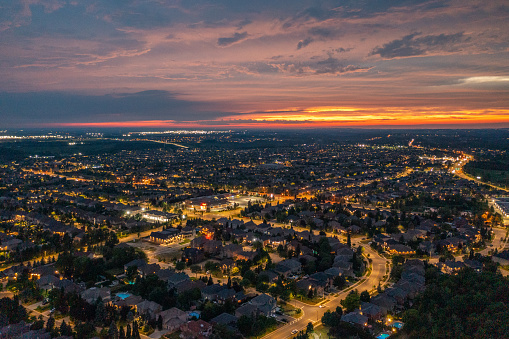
<point x="254" y="65"/>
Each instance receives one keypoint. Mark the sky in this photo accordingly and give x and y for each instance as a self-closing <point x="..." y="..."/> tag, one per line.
<point x="254" y="64"/>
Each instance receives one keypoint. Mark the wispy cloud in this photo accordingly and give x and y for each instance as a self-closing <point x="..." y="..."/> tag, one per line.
<point x="227" y="41"/>
<point x="417" y="45"/>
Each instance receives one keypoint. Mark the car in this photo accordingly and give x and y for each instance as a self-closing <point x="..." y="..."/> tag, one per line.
<point x="321" y="306"/>
<point x="45" y="301"/>
<point x="294" y="331"/>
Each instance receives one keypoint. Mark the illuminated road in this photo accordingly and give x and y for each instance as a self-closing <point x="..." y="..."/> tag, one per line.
<point x="459" y="172"/>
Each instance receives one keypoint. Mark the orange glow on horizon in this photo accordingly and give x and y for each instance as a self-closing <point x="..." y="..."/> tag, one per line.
<point x="323" y="117"/>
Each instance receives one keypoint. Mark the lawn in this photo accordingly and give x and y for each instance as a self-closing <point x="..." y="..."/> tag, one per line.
<point x="290" y="310"/>
<point x="309" y="301"/>
<point x="41" y="309"/>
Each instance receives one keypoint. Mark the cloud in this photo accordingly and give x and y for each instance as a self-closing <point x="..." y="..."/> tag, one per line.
<point x="342" y="50"/>
<point x="56" y="107"/>
<point x="336" y="67"/>
<point x="331" y="66"/>
<point x="304" y="43"/>
<point x="237" y="37"/>
<point x="416" y="45"/>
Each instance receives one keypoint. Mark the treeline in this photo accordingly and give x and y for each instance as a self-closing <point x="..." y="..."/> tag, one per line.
<point x="466" y="305"/>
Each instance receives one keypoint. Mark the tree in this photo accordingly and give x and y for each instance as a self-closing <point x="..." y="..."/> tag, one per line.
<point x="135" y="332"/>
<point x="132" y="272"/>
<point x="113" y="331"/>
<point x="352" y="301"/>
<point x="100" y="314"/>
<point x="128" y="331"/>
<point x="121" y="333"/>
<point x="365" y="297"/>
<point x="245" y="325"/>
<point x="309" y="328"/>
<point x="339" y="282"/>
<point x="348" y="240"/>
<point x="180" y="265"/>
<point x="209" y="281"/>
<point x="50" y="324"/>
<point x="160" y="323"/>
<point x="65" y="330"/>
<point x="339" y="311"/>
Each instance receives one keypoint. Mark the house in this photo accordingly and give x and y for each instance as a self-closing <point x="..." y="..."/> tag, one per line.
<point x="355" y="318"/>
<point x="192" y="255"/>
<point x="249" y="310"/>
<point x="265" y="304"/>
<point x="385" y="302"/>
<point x="164" y="274"/>
<point x="149" y="308"/>
<point x="288" y="267"/>
<point x="92" y="294"/>
<point x="136" y="262"/>
<point x="210" y="292"/>
<point x="225" y="319"/>
<point x="212" y="247"/>
<point x="177" y="278"/>
<point x="47" y="282"/>
<point x="450" y="267"/>
<point x="271" y="275"/>
<point x="399" y="249"/>
<point x="307" y="284"/>
<point x="198" y="242"/>
<point x="148" y="269"/>
<point x="196" y="329"/>
<point x="372" y="311"/>
<point x="166" y="236"/>
<point x="226" y="294"/>
<point x="173" y="318"/>
<point x="333" y="272"/>
<point x="229" y="251"/>
<point x="42" y="271"/>
<point x="158" y="216"/>
<point x="227" y="264"/>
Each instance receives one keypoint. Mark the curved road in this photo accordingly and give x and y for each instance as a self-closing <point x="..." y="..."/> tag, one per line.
<point x="314" y="313"/>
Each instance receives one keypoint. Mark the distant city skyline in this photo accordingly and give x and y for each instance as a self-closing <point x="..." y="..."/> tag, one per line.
<point x="259" y="64"/>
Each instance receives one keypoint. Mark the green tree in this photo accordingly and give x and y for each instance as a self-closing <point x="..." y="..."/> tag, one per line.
<point x="245" y="325"/>
<point x="309" y="328"/>
<point x="365" y="297"/>
<point x="351" y="302"/>
<point x="180" y="265"/>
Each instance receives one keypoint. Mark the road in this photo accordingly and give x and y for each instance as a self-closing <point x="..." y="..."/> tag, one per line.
<point x="314" y="313"/>
<point x="499" y="241"/>
<point x="458" y="171"/>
